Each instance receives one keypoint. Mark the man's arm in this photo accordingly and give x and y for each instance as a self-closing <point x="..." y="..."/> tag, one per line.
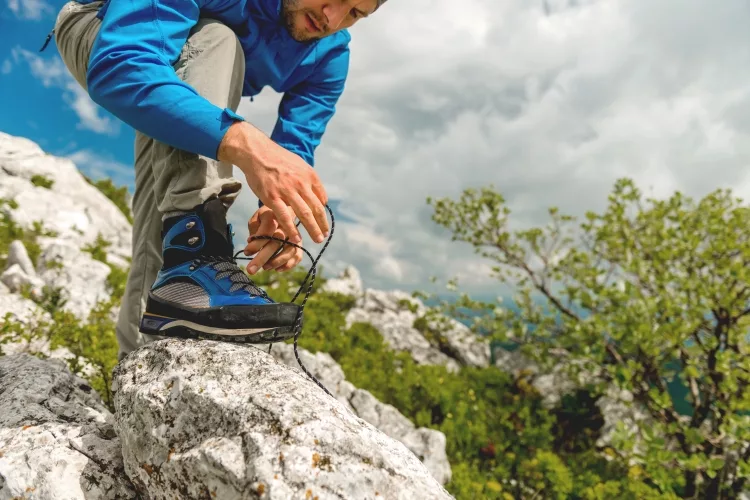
<point x="306" y="109"/>
<point x="131" y="74"/>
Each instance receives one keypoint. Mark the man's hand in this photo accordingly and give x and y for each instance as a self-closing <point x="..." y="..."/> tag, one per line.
<point x="264" y="223"/>
<point x="280" y="179"/>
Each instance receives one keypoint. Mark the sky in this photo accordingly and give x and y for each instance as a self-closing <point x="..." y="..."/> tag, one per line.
<point x="549" y="101"/>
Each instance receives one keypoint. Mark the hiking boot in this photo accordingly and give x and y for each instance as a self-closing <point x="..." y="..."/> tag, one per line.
<point x="201" y="292"/>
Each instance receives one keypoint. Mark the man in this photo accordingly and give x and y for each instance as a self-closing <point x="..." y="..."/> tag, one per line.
<point x="175" y="70"/>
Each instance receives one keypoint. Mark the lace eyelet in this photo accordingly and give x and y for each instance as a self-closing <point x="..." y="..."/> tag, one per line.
<point x="190" y="225"/>
<point x="193" y="240"/>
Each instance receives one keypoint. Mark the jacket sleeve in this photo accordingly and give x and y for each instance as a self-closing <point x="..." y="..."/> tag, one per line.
<point x="306" y="109"/>
<point x="131" y="74"/>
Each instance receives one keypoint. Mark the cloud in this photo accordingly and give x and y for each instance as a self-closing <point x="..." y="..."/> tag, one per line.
<point x="7" y="67"/>
<point x="51" y="72"/>
<point x="30" y="9"/>
<point x="548" y="101"/>
<point x="98" y="166"/>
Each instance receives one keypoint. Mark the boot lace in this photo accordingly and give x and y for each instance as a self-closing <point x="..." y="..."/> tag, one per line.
<point x="228" y="268"/>
<point x="311" y="274"/>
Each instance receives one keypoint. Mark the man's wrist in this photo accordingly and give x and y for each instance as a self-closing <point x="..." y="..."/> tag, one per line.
<point x="239" y="145"/>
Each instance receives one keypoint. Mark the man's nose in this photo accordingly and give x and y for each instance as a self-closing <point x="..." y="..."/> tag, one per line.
<point x="335" y="13"/>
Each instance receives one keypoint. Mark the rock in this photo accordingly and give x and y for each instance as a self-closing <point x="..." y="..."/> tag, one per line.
<point x="552" y="386"/>
<point x="17" y="254"/>
<point x="20" y="308"/>
<point x="77" y="211"/>
<point x="427" y="444"/>
<point x="617" y="406"/>
<point x="57" y="439"/>
<point x="219" y="420"/>
<point x="393" y="314"/>
<point x="15" y="279"/>
<point x="459" y="342"/>
<point x="81" y="278"/>
<point x="395" y="323"/>
<point x="349" y="282"/>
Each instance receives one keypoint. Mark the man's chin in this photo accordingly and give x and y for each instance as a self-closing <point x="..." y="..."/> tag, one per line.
<point x="302" y="35"/>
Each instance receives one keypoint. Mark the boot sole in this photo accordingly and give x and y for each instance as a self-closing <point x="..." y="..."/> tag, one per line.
<point x="269" y="323"/>
<point x="152" y="324"/>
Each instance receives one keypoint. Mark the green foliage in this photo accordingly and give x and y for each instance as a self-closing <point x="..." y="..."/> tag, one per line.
<point x="42" y="181"/>
<point x="93" y="342"/>
<point x="648" y="294"/>
<point x="10" y="231"/>
<point x="118" y="196"/>
<point x="98" y="249"/>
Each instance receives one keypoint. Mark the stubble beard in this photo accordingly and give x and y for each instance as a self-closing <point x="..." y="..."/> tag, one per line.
<point x="290" y="9"/>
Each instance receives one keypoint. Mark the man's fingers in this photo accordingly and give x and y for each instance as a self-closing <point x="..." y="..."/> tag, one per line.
<point x="265" y="253"/>
<point x="286" y="221"/>
<point x="319" y="191"/>
<point x="266" y="226"/>
<point x="290" y="264"/>
<point x="319" y="211"/>
<point x="306" y="214"/>
<point x="282" y="258"/>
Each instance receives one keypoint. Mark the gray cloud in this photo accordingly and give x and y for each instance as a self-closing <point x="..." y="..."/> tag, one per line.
<point x="548" y="101"/>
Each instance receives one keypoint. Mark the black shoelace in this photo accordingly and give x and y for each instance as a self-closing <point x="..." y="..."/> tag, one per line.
<point x="311" y="274"/>
<point x="235" y="274"/>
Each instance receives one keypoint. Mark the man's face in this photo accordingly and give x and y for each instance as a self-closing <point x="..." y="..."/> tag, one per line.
<point x="313" y="19"/>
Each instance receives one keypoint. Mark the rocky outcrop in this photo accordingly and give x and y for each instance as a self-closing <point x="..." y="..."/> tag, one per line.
<point x="51" y="190"/>
<point x="217" y="420"/>
<point x="427" y="444"/>
<point x="57" y="440"/>
<point x="79" y="214"/>
<point x="393" y="314"/>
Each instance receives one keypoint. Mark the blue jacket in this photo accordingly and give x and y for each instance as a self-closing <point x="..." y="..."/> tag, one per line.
<point x="131" y="75"/>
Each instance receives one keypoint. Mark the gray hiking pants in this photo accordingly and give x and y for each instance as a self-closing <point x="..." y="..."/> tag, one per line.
<point x="166" y="179"/>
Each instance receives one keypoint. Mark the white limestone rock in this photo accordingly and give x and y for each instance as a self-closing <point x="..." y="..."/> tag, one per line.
<point x="57" y="440"/>
<point x="219" y="420"/>
<point x="395" y="323"/>
<point x="20" y="308"/>
<point x="393" y="314"/>
<point x="15" y="278"/>
<point x="77" y="211"/>
<point x="349" y="282"/>
<point x="82" y="279"/>
<point x="427" y="444"/>
<point x="17" y="254"/>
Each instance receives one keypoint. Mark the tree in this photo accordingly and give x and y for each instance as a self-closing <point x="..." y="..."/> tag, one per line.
<point x="645" y="296"/>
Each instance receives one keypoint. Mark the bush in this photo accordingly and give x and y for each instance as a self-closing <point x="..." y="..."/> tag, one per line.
<point x="648" y="295"/>
<point x="42" y="181"/>
<point x="118" y="196"/>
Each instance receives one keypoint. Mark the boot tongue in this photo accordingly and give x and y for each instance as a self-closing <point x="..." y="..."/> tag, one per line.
<point x="215" y="224"/>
